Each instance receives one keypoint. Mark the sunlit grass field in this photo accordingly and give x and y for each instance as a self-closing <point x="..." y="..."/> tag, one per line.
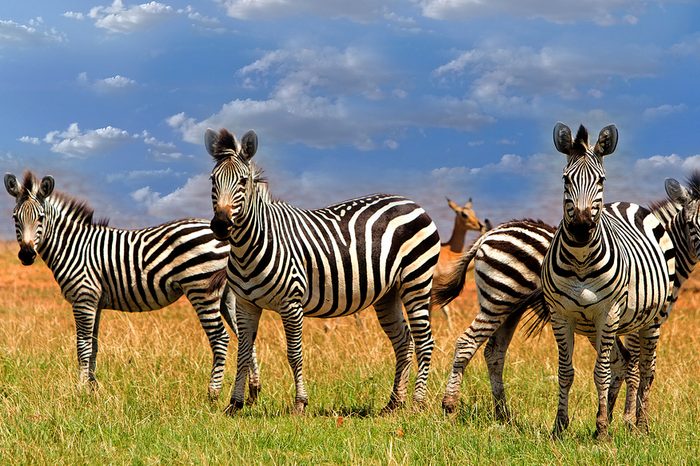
<point x="151" y="406"/>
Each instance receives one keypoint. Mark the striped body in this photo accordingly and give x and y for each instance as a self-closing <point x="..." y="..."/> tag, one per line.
<point x="604" y="273"/>
<point x="378" y="251"/>
<point x="98" y="267"/>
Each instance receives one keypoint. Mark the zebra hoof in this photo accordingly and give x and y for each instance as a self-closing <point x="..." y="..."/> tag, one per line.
<point x="233" y="408"/>
<point x="449" y="404"/>
<point x="299" y="407"/>
<point x="213" y="394"/>
<point x="391" y="406"/>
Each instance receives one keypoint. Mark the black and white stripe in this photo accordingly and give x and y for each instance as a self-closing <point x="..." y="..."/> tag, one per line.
<point x="607" y="272"/>
<point x="98" y="267"/>
<point x="377" y="250"/>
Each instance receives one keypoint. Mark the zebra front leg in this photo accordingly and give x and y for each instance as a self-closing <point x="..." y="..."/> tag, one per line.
<point x="292" y="321"/>
<point x="564" y="334"/>
<point x="647" y="368"/>
<point x="495" y="355"/>
<point x="248" y="317"/>
<point x="619" y="361"/>
<point x="392" y="321"/>
<point x="228" y="310"/>
<point x="601" y="376"/>
<point x="85" y="315"/>
<point x="95" y="347"/>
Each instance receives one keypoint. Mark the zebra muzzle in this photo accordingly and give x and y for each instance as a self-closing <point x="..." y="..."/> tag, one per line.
<point x="582" y="225"/>
<point x="26" y="254"/>
<point x="221" y="226"/>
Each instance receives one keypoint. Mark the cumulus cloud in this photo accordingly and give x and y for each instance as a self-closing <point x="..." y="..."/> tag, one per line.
<point x="76" y="143"/>
<point x="191" y="200"/>
<point x="114" y="83"/>
<point x="357" y="10"/>
<point x="32" y="33"/>
<point x="324" y="97"/>
<point x="118" y="18"/>
<point x="663" y="110"/>
<point x="30" y="140"/>
<point x="601" y="12"/>
<point x="161" y="150"/>
<point x="516" y="79"/>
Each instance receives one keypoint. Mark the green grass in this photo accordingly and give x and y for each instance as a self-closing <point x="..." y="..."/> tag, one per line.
<point x="151" y="405"/>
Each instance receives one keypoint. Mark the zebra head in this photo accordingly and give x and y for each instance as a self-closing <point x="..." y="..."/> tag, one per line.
<point x="232" y="178"/>
<point x="29" y="212"/>
<point x="689" y="200"/>
<point x="583" y="176"/>
<point x="466" y="215"/>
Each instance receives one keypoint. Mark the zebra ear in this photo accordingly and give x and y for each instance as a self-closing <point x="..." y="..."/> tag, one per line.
<point x="210" y="140"/>
<point x="562" y="138"/>
<point x="11" y="184"/>
<point x="676" y="192"/>
<point x="249" y="141"/>
<point x="607" y="141"/>
<point x="46" y="187"/>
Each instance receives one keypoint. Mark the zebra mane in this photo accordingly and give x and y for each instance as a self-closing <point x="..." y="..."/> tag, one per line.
<point x="580" y="144"/>
<point x="80" y="210"/>
<point x="694" y="184"/>
<point x="225" y="145"/>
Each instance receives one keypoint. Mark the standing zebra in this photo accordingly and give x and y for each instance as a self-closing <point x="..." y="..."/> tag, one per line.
<point x="607" y="272"/>
<point x="378" y="250"/>
<point x="98" y="267"/>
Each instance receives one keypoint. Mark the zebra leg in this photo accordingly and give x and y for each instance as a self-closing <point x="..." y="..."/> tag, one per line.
<point x="632" y="379"/>
<point x="564" y="334"/>
<point x="619" y="361"/>
<point x="649" y="339"/>
<point x="482" y="327"/>
<point x="210" y="319"/>
<point x="292" y="321"/>
<point x="601" y="375"/>
<point x="248" y="318"/>
<point x="446" y="312"/>
<point x="95" y="347"/>
<point x="416" y="299"/>
<point x="84" y="313"/>
<point x="228" y="311"/>
<point x="495" y="355"/>
<point x="392" y="321"/>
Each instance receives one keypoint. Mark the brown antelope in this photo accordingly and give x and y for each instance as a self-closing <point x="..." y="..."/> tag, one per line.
<point x="451" y="251"/>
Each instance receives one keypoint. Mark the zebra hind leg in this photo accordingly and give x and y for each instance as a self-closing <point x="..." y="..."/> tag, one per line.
<point x="392" y="321"/>
<point x="495" y="355"/>
<point x="248" y="317"/>
<point x="210" y="319"/>
<point x="482" y="327"/>
<point x="416" y="299"/>
<point x="647" y="367"/>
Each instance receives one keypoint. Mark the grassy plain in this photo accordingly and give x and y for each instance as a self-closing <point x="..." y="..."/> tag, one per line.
<point x="151" y="405"/>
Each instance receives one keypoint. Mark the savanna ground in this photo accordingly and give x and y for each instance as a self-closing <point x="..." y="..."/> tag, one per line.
<point x="151" y="405"/>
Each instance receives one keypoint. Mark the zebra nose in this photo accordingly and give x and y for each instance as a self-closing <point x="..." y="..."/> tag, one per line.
<point x="582" y="225"/>
<point x="26" y="254"/>
<point x="221" y="226"/>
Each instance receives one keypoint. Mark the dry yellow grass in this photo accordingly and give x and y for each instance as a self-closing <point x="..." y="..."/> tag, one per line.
<point x="153" y="369"/>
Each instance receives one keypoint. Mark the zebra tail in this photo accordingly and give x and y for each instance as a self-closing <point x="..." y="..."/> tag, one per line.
<point x="447" y="289"/>
<point x="539" y="315"/>
<point x="227" y="309"/>
<point x="217" y="281"/>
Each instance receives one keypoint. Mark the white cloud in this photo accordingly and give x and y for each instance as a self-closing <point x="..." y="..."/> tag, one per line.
<point x="118" y="18"/>
<point x="663" y="110"/>
<point x="324" y="97"/>
<point x="30" y="140"/>
<point x="111" y="84"/>
<point x="515" y="80"/>
<point x="601" y="12"/>
<point x="357" y="10"/>
<point x="140" y="174"/>
<point x="161" y="150"/>
<point x="74" y="142"/>
<point x="191" y="200"/>
<point x="33" y="33"/>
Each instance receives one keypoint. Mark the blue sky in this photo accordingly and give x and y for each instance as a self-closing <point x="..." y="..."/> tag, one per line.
<point x="425" y="98"/>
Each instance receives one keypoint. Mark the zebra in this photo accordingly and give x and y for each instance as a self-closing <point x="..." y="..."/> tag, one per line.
<point x="98" y="267"/>
<point x="507" y="265"/>
<point x="379" y="250"/>
<point x="607" y="272"/>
